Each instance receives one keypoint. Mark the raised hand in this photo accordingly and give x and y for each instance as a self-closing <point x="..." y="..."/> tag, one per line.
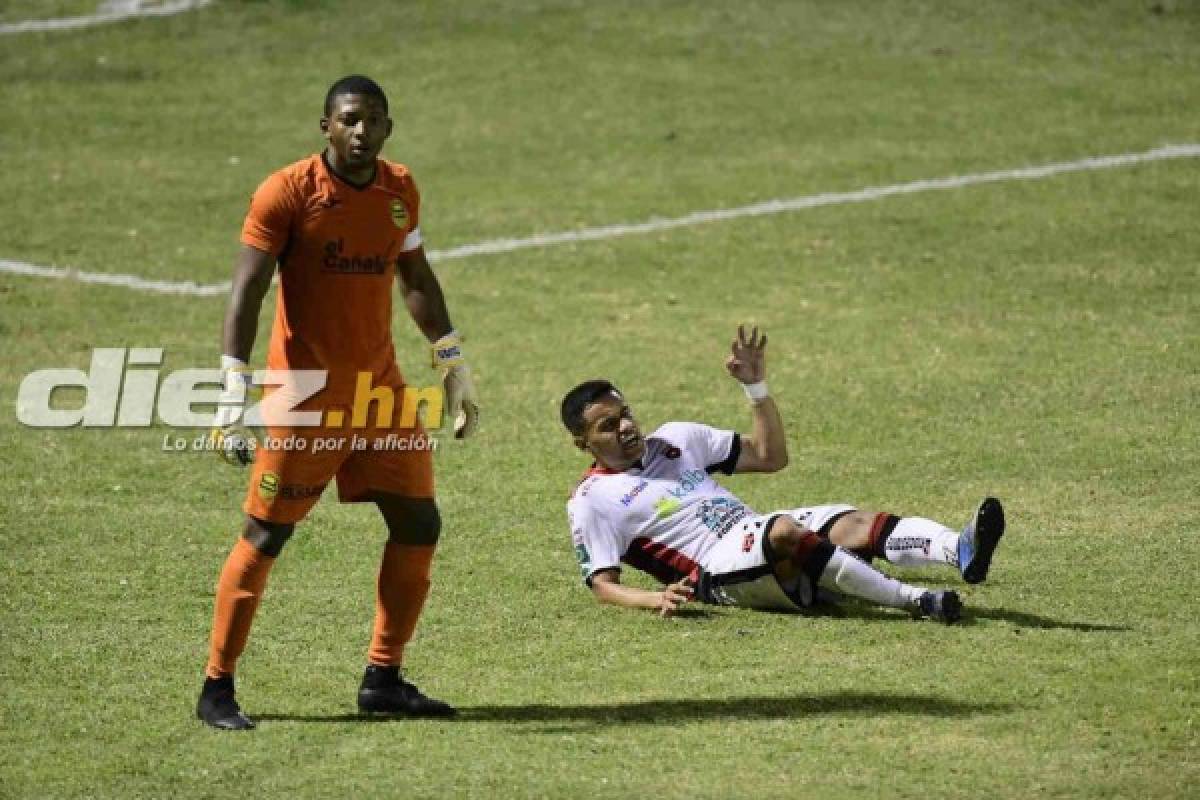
<point x="747" y="361"/>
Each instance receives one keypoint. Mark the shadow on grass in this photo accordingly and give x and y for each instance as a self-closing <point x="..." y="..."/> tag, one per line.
<point x="696" y="611"/>
<point x="1023" y="619"/>
<point x="850" y="609"/>
<point x="671" y="712"/>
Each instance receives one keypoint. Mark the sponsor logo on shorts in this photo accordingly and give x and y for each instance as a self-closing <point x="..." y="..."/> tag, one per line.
<point x="747" y="542"/>
<point x="268" y="485"/>
<point x="295" y="491"/>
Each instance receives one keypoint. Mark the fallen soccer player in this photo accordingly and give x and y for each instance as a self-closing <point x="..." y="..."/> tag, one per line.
<point x="651" y="502"/>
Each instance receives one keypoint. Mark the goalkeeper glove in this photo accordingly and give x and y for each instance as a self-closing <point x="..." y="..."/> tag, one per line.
<point x="233" y="442"/>
<point x="457" y="386"/>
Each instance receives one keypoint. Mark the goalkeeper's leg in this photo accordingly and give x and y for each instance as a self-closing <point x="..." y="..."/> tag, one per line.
<point x="239" y="589"/>
<point x="413" y="529"/>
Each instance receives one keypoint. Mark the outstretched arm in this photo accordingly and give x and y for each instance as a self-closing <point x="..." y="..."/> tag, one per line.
<point x="607" y="587"/>
<point x="764" y="449"/>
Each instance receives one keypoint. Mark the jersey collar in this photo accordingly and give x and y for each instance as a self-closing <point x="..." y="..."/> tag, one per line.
<point x="596" y="469"/>
<point x="339" y="179"/>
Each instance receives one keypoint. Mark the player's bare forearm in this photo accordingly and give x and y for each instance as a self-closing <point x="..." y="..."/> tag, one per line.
<point x="252" y="275"/>
<point x="608" y="589"/>
<point x="423" y="294"/>
<point x="616" y="594"/>
<point x="767" y="441"/>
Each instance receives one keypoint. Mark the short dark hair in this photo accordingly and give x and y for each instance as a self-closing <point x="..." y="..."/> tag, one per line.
<point x="577" y="400"/>
<point x="354" y="84"/>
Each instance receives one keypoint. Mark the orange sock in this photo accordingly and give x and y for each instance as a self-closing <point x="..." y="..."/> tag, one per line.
<point x="240" y="587"/>
<point x="399" y="597"/>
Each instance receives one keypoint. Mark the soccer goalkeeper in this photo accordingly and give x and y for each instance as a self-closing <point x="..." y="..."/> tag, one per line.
<point x="651" y="502"/>
<point x="342" y="226"/>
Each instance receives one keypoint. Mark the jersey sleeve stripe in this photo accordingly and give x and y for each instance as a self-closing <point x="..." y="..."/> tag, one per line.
<point x="730" y="463"/>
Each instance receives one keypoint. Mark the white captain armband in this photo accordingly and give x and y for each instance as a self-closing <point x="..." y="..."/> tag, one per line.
<point x="412" y="241"/>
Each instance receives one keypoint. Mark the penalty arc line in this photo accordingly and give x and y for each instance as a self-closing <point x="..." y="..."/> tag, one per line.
<point x="655" y="225"/>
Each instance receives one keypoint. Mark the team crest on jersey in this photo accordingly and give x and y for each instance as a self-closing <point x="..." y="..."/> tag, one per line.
<point x="399" y="214"/>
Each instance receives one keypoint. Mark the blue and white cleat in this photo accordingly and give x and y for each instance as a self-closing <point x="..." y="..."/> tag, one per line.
<point x="979" y="539"/>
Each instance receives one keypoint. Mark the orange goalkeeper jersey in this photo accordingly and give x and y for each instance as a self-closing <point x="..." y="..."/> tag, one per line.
<point x="336" y="245"/>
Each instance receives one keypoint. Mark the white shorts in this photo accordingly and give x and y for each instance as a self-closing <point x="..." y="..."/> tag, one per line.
<point x="736" y="571"/>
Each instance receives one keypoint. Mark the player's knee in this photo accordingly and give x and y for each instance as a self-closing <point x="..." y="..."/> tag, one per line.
<point x="786" y="537"/>
<point x="419" y="524"/>
<point x="852" y="531"/>
<point x="267" y="537"/>
<point x="805" y="549"/>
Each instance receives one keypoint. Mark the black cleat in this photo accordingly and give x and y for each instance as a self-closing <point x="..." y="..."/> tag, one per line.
<point x="979" y="539"/>
<point x="219" y="708"/>
<point x="384" y="691"/>
<point x="944" y="606"/>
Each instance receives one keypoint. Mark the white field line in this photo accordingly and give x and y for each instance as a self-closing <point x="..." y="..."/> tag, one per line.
<point x="112" y="11"/>
<point x="660" y="224"/>
<point x="116" y="279"/>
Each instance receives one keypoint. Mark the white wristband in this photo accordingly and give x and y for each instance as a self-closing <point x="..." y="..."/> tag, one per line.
<point x="756" y="391"/>
<point x="235" y="373"/>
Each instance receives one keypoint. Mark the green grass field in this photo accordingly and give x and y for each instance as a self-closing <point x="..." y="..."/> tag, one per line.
<point x="1038" y="340"/>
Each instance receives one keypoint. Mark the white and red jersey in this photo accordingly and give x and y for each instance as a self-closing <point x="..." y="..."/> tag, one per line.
<point x="664" y="516"/>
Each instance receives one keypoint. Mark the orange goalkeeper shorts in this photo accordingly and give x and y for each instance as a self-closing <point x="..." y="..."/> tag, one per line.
<point x="292" y="467"/>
